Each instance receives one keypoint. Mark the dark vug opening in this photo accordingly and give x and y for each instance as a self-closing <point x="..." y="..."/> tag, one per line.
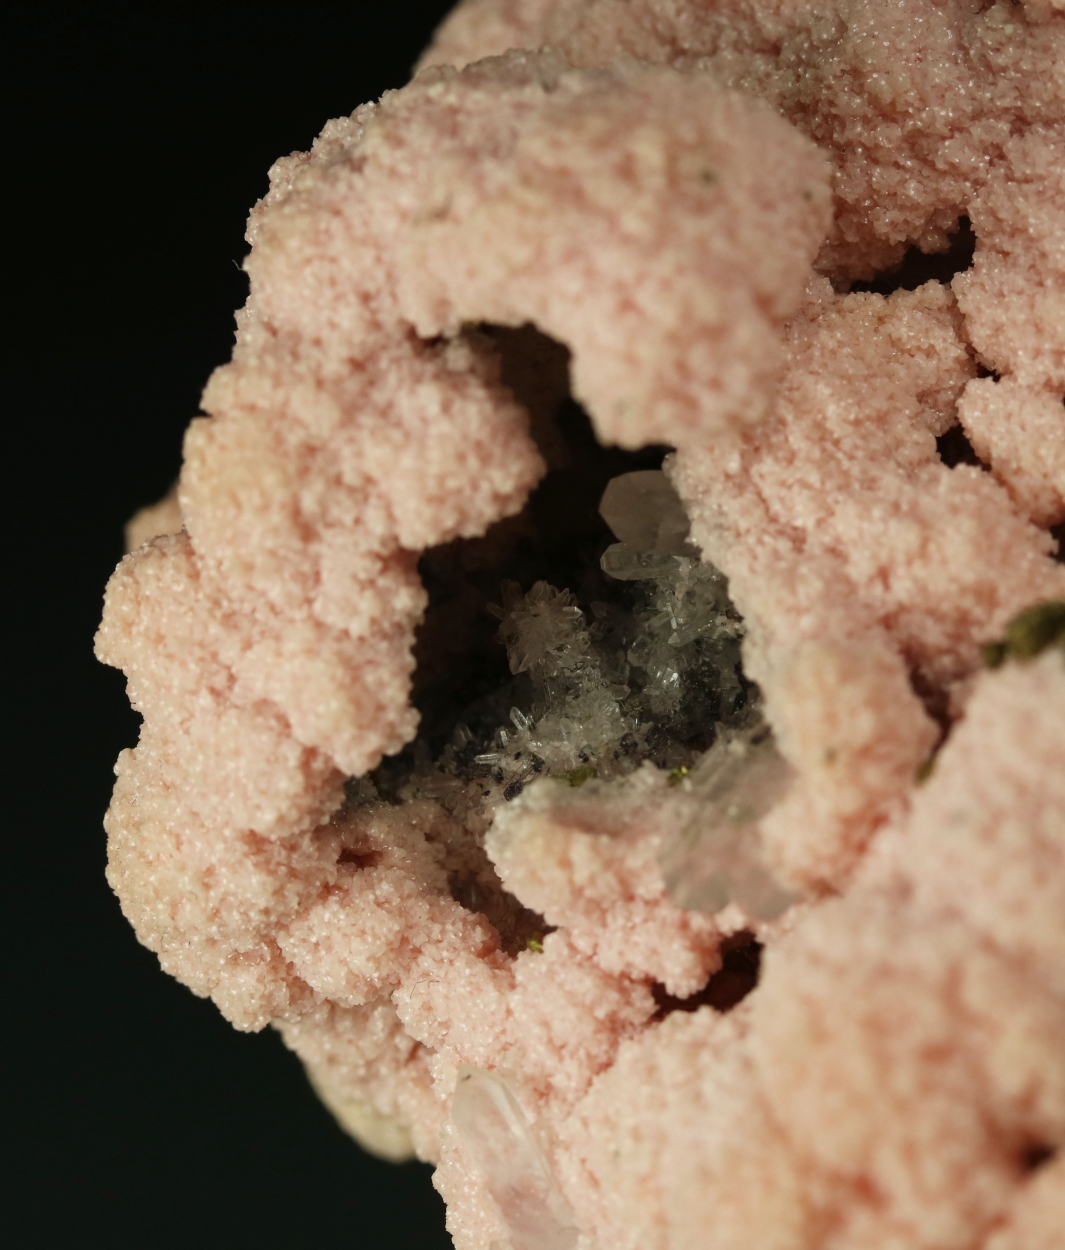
<point x="462" y="669"/>
<point x="919" y="267"/>
<point x="954" y="448"/>
<point x="738" y="975"/>
<point x="463" y="683"/>
<point x="1057" y="532"/>
<point x="483" y="727"/>
<point x="1036" y="1155"/>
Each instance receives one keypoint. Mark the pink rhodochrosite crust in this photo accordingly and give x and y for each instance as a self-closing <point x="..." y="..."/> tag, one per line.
<point x="682" y="195"/>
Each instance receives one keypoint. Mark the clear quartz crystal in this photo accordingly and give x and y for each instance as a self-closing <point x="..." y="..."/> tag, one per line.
<point x="628" y="564"/>
<point x="685" y="631"/>
<point x="499" y="1142"/>
<point x="646" y="513"/>
<point x="714" y="858"/>
<point x="652" y="675"/>
<point x="575" y="706"/>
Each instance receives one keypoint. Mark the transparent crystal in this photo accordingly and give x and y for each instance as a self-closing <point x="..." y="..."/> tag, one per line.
<point x="628" y="564"/>
<point x="686" y="637"/>
<point x="652" y="674"/>
<point x="715" y="856"/>
<point x="499" y="1142"/>
<point x="646" y="513"/>
<point x="575" y="705"/>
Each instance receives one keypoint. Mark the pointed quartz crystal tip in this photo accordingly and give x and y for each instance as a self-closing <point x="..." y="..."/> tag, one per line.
<point x="645" y="513"/>
<point x="499" y="1141"/>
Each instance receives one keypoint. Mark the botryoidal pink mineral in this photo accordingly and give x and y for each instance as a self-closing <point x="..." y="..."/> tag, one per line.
<point x="660" y="832"/>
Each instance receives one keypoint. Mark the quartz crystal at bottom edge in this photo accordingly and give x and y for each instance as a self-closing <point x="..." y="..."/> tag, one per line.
<point x="499" y="1143"/>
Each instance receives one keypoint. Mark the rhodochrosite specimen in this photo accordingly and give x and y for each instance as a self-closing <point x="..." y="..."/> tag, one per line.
<point x="581" y="706"/>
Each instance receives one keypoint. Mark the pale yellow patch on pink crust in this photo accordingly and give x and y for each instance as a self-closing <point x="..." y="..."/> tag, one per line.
<point x="898" y="1073"/>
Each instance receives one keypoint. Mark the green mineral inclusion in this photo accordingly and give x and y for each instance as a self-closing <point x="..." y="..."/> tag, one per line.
<point x="1029" y="634"/>
<point x="579" y="775"/>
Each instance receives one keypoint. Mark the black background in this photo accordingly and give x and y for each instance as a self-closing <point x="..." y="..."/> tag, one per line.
<point x="135" y="139"/>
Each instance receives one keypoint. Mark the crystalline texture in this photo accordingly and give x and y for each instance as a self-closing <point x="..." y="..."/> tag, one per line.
<point x="647" y="675"/>
<point x="715" y="857"/>
<point x="499" y="1142"/>
<point x="646" y="513"/>
<point x="575" y="708"/>
<point x="686" y="639"/>
<point x="897" y="1076"/>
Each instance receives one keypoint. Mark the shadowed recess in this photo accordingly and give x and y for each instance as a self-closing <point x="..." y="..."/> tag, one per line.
<point x="919" y="267"/>
<point x="954" y="448"/>
<point x="1036" y="1155"/>
<point x="558" y="537"/>
<point x="741" y="955"/>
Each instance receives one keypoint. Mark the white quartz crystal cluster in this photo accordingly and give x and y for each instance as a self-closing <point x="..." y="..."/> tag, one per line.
<point x="576" y="715"/>
<point x="684" y="649"/>
<point x="651" y="679"/>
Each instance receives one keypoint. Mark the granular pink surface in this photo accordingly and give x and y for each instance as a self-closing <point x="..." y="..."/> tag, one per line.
<point x="680" y="192"/>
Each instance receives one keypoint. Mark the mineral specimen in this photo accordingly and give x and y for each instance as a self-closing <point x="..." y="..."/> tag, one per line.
<point x="499" y="1141"/>
<point x="583" y="581"/>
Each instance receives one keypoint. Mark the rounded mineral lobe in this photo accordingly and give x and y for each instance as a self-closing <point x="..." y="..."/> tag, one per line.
<point x="488" y="884"/>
